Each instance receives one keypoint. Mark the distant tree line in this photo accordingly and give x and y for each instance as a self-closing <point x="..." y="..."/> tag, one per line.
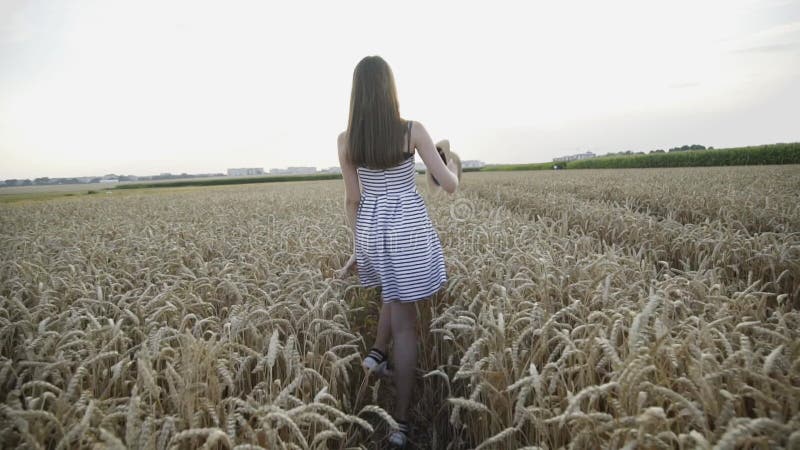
<point x="683" y="148"/>
<point x="782" y="153"/>
<point x="624" y="153"/>
<point x="686" y="148"/>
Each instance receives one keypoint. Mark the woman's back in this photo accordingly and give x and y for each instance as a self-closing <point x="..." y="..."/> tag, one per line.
<point x="395" y="180"/>
<point x="396" y="244"/>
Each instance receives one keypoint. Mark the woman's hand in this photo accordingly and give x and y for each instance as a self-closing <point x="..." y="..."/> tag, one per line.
<point x="453" y="167"/>
<point x="451" y="164"/>
<point x="349" y="266"/>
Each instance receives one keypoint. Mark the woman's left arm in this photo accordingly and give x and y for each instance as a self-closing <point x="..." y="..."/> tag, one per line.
<point x="352" y="190"/>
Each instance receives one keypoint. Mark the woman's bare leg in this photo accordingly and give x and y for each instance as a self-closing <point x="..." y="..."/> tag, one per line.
<point x="384" y="328"/>
<point x="404" y="334"/>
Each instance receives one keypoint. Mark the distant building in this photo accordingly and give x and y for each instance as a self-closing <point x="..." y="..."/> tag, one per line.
<point x="468" y="164"/>
<point x="472" y="164"/>
<point x="109" y="180"/>
<point x="245" y="172"/>
<point x="298" y="171"/>
<point x="334" y="169"/>
<point x="575" y="157"/>
<point x="301" y="170"/>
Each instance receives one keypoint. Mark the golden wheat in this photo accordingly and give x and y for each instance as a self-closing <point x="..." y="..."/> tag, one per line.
<point x="585" y="309"/>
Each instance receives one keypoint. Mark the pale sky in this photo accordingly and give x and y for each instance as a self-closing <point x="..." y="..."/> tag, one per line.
<point x="144" y="87"/>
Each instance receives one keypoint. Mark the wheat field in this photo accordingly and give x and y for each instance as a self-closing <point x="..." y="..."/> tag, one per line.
<point x="584" y="309"/>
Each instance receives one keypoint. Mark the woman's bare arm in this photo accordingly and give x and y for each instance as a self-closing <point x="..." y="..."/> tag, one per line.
<point x="352" y="189"/>
<point x="422" y="141"/>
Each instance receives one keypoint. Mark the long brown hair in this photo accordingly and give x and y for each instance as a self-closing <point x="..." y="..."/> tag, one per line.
<point x="375" y="130"/>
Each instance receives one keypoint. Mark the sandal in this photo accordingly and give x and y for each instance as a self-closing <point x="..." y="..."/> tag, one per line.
<point x="377" y="363"/>
<point x="399" y="438"/>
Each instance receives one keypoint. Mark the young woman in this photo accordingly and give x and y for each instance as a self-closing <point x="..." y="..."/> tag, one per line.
<point x="396" y="246"/>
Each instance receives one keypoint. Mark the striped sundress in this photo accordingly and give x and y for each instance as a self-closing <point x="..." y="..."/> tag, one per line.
<point x="397" y="247"/>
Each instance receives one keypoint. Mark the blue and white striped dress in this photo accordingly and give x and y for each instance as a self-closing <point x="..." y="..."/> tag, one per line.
<point x="397" y="247"/>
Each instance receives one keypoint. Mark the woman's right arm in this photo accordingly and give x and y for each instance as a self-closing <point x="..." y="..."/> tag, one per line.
<point x="422" y="141"/>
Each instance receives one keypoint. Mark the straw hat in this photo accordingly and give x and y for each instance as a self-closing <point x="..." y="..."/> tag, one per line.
<point x="443" y="147"/>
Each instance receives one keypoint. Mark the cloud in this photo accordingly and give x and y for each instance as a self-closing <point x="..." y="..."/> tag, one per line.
<point x="686" y="84"/>
<point x="23" y="20"/>
<point x="15" y="28"/>
<point x="778" y="38"/>
<point x="769" y="48"/>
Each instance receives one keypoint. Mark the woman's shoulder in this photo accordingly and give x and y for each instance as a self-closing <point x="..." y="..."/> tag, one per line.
<point x="418" y="132"/>
<point x="341" y="150"/>
<point x="341" y="142"/>
<point x="415" y="125"/>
